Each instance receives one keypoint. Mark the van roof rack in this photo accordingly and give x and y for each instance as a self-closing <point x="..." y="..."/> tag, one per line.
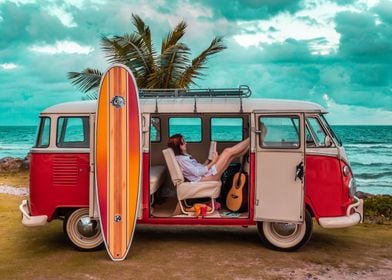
<point x="240" y="92"/>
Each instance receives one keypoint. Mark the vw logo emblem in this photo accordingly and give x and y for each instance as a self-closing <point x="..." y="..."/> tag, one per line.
<point x="118" y="101"/>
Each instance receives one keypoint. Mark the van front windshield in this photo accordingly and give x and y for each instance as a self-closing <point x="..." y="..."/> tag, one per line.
<point x="333" y="134"/>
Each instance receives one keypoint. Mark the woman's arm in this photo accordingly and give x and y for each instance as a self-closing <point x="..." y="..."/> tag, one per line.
<point x="191" y="169"/>
<point x="213" y="161"/>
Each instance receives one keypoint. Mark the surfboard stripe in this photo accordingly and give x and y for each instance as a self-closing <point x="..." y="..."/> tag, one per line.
<point x="134" y="154"/>
<point x="101" y="154"/>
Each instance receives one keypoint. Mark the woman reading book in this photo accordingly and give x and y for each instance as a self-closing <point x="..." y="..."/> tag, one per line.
<point x="212" y="170"/>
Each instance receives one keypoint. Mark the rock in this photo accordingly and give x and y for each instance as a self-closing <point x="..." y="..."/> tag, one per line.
<point x="363" y="195"/>
<point x="9" y="164"/>
<point x="26" y="162"/>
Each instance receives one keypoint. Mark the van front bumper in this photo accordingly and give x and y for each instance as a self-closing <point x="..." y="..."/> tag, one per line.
<point x="345" y="221"/>
<point x="28" y="220"/>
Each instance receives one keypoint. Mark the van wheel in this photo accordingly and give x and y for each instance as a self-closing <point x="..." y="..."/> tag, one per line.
<point x="82" y="231"/>
<point x="285" y="236"/>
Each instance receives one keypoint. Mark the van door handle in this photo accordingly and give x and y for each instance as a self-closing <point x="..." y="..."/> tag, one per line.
<point x="299" y="172"/>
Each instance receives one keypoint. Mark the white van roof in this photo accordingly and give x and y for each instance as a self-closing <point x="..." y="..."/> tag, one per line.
<point x="202" y="105"/>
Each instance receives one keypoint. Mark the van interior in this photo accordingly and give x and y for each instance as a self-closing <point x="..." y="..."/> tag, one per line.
<point x="198" y="130"/>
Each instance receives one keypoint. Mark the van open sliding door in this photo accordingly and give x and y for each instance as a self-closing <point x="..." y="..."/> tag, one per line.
<point x="280" y="150"/>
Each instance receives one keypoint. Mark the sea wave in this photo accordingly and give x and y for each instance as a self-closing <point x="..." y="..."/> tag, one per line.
<point x="368" y="146"/>
<point x="376" y="189"/>
<point x="15" y="147"/>
<point x="378" y="182"/>
<point x="367" y="164"/>
<point x="374" y="175"/>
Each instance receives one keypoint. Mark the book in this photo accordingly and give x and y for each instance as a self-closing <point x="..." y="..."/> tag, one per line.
<point x="212" y="150"/>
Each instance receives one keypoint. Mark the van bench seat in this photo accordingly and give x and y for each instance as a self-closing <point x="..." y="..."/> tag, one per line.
<point x="157" y="177"/>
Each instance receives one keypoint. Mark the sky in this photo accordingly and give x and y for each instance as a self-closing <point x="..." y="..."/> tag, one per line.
<point x="335" y="53"/>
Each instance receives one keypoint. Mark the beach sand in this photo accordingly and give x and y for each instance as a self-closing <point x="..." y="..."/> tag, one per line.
<point x="163" y="252"/>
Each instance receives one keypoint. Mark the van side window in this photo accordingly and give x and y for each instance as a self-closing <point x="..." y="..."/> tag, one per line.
<point x="190" y="128"/>
<point x="316" y="131"/>
<point x="43" y="133"/>
<point x="155" y="129"/>
<point x="227" y="129"/>
<point x="73" y="132"/>
<point x="280" y="132"/>
<point x="309" y="139"/>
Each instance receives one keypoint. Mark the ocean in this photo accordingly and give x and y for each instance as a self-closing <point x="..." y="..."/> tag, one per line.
<point x="369" y="149"/>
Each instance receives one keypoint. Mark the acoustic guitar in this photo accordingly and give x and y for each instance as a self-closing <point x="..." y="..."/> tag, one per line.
<point x="235" y="198"/>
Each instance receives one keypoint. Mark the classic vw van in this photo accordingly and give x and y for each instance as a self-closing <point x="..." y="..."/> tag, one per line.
<point x="296" y="168"/>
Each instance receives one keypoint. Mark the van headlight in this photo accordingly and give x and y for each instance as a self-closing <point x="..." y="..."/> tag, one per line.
<point x="352" y="187"/>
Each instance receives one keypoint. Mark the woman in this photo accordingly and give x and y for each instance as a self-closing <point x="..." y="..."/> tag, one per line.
<point x="209" y="171"/>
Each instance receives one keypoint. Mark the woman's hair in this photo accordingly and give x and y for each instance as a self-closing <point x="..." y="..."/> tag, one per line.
<point x="174" y="142"/>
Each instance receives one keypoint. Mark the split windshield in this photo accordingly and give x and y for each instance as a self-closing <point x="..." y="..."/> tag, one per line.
<point x="333" y="134"/>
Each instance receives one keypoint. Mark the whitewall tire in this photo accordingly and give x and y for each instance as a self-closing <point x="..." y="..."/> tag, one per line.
<point x="82" y="231"/>
<point x="285" y="236"/>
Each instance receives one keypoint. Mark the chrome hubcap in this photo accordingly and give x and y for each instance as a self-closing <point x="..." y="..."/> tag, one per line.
<point x="284" y="229"/>
<point x="88" y="227"/>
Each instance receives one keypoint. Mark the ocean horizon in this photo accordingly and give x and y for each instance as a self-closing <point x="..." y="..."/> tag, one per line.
<point x="369" y="149"/>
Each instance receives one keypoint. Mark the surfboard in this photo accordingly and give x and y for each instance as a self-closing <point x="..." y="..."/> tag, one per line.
<point x="118" y="159"/>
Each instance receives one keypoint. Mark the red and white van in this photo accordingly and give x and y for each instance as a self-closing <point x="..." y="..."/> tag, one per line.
<point x="298" y="172"/>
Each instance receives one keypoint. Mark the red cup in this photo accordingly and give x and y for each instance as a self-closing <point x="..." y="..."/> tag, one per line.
<point x="203" y="211"/>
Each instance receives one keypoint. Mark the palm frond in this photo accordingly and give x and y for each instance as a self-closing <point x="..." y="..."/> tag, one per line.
<point x="144" y="32"/>
<point x="174" y="36"/>
<point x="136" y="55"/>
<point x="114" y="52"/>
<point x="86" y="80"/>
<point x="173" y="63"/>
<point x="198" y="63"/>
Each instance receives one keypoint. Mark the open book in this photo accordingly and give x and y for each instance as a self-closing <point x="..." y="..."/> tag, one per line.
<point x="212" y="150"/>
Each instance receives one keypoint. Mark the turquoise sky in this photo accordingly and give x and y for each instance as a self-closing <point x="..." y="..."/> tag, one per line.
<point x="335" y="53"/>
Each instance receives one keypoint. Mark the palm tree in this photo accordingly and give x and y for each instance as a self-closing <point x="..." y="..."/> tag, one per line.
<point x="170" y="69"/>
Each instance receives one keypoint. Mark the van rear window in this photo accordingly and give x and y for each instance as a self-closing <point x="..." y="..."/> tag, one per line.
<point x="155" y="129"/>
<point x="43" y="133"/>
<point x="190" y="128"/>
<point x="73" y="132"/>
<point x="226" y="129"/>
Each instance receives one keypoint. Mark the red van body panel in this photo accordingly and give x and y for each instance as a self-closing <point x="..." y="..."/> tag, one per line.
<point x="58" y="180"/>
<point x="326" y="193"/>
<point x="61" y="180"/>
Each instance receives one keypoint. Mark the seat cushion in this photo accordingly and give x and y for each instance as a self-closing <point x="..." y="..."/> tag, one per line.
<point x="172" y="164"/>
<point x="189" y="190"/>
<point x="157" y="177"/>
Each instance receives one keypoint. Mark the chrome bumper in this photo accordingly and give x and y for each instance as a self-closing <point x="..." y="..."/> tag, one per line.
<point x="31" y="221"/>
<point x="345" y="221"/>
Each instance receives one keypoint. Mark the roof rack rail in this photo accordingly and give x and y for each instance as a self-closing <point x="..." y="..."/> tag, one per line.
<point x="240" y="92"/>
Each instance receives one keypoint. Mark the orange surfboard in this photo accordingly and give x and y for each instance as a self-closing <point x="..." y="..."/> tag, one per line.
<point x="118" y="159"/>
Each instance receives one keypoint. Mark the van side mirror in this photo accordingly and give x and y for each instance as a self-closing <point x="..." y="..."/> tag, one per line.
<point x="328" y="141"/>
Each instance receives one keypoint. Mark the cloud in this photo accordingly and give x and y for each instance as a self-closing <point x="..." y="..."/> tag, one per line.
<point x="362" y="39"/>
<point x="343" y="114"/>
<point x="251" y="9"/>
<point x="8" y="66"/>
<point x="68" y="47"/>
<point x="65" y="17"/>
<point x="281" y="49"/>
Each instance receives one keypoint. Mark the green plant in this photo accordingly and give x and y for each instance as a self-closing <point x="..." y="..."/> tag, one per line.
<point x="378" y="208"/>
